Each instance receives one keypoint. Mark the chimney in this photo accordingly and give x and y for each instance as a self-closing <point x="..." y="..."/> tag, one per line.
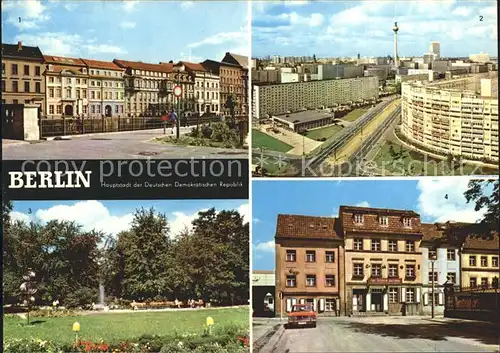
<point x="19" y="46"/>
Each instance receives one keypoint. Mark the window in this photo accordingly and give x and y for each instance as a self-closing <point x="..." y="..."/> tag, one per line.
<point x="393" y="295"/>
<point x="410" y="271"/>
<point x="452" y="277"/>
<point x="51" y="93"/>
<point x="375" y="244"/>
<point x="78" y="94"/>
<point x="383" y="220"/>
<point x="51" y="109"/>
<point x="15" y="101"/>
<point x="358" y="218"/>
<point x="68" y="93"/>
<point x="494" y="261"/>
<point x="432" y="254"/>
<point x="37" y="70"/>
<point x="358" y="244"/>
<point x="51" y="80"/>
<point x="84" y="93"/>
<point x="77" y="81"/>
<point x="291" y="280"/>
<point x="330" y="280"/>
<point x="38" y="87"/>
<point x="433" y="278"/>
<point x="26" y="70"/>
<point x="376" y="270"/>
<point x="310" y="256"/>
<point x="3" y="86"/>
<point x="14" y="86"/>
<point x="3" y="68"/>
<point x="330" y="304"/>
<point x="58" y="109"/>
<point x="310" y="280"/>
<point x="410" y="246"/>
<point x="407" y="222"/>
<point x="58" y="93"/>
<point x="291" y="255"/>
<point x="450" y="254"/>
<point x="14" y="69"/>
<point x="68" y="81"/>
<point x="26" y="86"/>
<point x="484" y="261"/>
<point x="116" y="109"/>
<point x="330" y="256"/>
<point x="473" y="282"/>
<point x="392" y="245"/>
<point x="472" y="261"/>
<point x="494" y="282"/>
<point x="484" y="282"/>
<point x="393" y="270"/>
<point x="357" y="270"/>
<point x="410" y="295"/>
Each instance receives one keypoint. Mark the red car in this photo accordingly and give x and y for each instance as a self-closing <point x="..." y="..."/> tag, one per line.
<point x="302" y="315"/>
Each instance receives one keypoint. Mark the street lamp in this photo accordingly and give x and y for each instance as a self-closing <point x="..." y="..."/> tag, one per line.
<point x="432" y="258"/>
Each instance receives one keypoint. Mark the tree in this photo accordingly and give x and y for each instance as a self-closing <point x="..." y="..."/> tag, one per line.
<point x="314" y="57"/>
<point x="483" y="199"/>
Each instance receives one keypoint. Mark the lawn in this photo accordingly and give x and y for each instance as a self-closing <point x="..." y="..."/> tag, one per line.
<point x="324" y="132"/>
<point x="116" y="327"/>
<point x="355" y="114"/>
<point x="260" y="139"/>
<point x="422" y="164"/>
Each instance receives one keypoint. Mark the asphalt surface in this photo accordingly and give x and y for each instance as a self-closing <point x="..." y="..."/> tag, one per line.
<point x="389" y="334"/>
<point x="125" y="145"/>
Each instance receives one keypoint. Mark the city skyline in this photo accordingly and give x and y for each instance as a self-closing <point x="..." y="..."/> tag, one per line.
<point x="306" y="28"/>
<point x="118" y="29"/>
<point x="323" y="198"/>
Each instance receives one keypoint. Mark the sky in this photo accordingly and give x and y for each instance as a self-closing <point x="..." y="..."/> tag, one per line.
<point x="346" y="28"/>
<point x="112" y="217"/>
<point x="426" y="196"/>
<point x="148" y="31"/>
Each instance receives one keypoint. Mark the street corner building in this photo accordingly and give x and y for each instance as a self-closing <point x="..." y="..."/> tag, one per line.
<point x="309" y="261"/>
<point x="375" y="261"/>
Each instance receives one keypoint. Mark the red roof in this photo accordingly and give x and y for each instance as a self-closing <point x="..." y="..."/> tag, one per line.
<point x="97" y="64"/>
<point x="139" y="65"/>
<point x="61" y="60"/>
<point x="192" y="66"/>
<point x="297" y="226"/>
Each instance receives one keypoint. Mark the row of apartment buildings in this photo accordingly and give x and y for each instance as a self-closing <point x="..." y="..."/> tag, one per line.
<point x="457" y="117"/>
<point x="378" y="260"/>
<point x="64" y="86"/>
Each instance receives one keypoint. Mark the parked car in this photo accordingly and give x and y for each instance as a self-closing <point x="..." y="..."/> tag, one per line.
<point x="302" y="315"/>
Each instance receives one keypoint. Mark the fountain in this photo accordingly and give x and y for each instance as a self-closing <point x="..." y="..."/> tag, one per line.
<point x="101" y="305"/>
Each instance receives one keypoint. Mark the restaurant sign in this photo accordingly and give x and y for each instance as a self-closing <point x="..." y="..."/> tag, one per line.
<point x="384" y="281"/>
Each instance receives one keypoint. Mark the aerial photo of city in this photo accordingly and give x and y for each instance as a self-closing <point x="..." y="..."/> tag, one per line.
<point x="374" y="88"/>
<point x="124" y="79"/>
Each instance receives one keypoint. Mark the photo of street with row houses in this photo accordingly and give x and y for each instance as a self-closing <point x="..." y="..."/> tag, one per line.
<point x="386" y="266"/>
<point x="374" y="88"/>
<point x="107" y="93"/>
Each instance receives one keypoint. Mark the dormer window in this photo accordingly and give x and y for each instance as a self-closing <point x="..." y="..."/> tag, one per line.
<point x="407" y="222"/>
<point x="358" y="218"/>
<point x="51" y="67"/>
<point x="383" y="220"/>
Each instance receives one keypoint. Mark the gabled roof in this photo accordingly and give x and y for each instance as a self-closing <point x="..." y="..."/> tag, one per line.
<point x="298" y="226"/>
<point x="25" y="52"/>
<point x="381" y="211"/>
<point x="139" y="65"/>
<point x="192" y="66"/>
<point x="236" y="59"/>
<point x="61" y="60"/>
<point x="98" y="64"/>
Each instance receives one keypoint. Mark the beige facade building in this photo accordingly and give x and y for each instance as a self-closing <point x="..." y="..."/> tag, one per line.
<point x="206" y="87"/>
<point x="66" y="87"/>
<point x="452" y="118"/>
<point x="479" y="261"/>
<point x="309" y="261"/>
<point x="23" y="81"/>
<point x="383" y="260"/>
<point x="106" y="89"/>
<point x="275" y="99"/>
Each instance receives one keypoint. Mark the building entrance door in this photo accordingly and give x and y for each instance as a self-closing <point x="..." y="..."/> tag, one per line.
<point x="357" y="300"/>
<point x="377" y="301"/>
<point x="68" y="110"/>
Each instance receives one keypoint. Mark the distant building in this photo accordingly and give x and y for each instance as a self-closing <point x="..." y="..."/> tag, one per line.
<point x="435" y="48"/>
<point x="480" y="58"/>
<point x="307" y="119"/>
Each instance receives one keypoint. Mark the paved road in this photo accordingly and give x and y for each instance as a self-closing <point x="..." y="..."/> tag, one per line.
<point x="389" y="334"/>
<point x="126" y="145"/>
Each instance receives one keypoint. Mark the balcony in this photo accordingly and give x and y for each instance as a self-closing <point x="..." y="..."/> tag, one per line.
<point x="384" y="281"/>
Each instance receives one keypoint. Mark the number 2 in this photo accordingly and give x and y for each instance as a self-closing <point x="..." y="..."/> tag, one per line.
<point x="481" y="18"/>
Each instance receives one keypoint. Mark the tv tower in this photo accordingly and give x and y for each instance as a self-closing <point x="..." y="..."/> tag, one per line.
<point x="396" y="57"/>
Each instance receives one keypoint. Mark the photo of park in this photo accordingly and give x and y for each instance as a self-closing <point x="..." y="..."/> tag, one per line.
<point x="126" y="276"/>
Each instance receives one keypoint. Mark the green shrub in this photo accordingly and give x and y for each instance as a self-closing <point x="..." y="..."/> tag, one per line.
<point x="82" y="297"/>
<point x="54" y="313"/>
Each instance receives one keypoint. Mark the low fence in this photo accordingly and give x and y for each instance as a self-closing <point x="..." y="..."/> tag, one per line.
<point x="473" y="303"/>
<point x="75" y="126"/>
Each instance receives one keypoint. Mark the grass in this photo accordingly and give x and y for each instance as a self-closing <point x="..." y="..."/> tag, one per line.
<point x="260" y="139"/>
<point x="423" y="164"/>
<point x="324" y="132"/>
<point x="118" y="327"/>
<point x="355" y="114"/>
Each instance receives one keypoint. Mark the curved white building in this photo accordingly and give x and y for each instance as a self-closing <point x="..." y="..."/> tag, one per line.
<point x="449" y="117"/>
